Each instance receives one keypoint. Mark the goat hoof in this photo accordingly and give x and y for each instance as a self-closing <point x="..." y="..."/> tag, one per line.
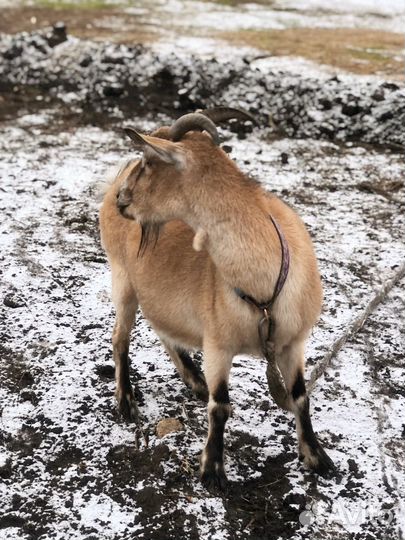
<point x="201" y="392"/>
<point x="325" y="467"/>
<point x="128" y="407"/>
<point x="319" y="461"/>
<point x="214" y="479"/>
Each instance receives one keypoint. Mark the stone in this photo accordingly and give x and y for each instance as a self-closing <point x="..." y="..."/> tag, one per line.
<point x="168" y="425"/>
<point x="351" y="109"/>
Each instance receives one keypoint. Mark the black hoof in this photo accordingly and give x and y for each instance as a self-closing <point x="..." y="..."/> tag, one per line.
<point x="325" y="466"/>
<point x="319" y="461"/>
<point x="128" y="407"/>
<point x="215" y="479"/>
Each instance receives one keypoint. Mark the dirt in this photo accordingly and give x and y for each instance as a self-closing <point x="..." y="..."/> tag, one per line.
<point x="69" y="466"/>
<point x="72" y="468"/>
<point x="98" y="23"/>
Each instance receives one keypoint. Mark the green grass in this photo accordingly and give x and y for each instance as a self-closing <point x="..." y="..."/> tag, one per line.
<point x="369" y="55"/>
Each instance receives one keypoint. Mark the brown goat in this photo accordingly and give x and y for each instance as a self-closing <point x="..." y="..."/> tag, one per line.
<point x="215" y="236"/>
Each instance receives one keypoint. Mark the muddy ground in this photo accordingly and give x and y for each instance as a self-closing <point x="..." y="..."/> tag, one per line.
<point x="70" y="468"/>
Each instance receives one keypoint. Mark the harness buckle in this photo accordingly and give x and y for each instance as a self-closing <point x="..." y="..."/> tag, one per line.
<point x="266" y="328"/>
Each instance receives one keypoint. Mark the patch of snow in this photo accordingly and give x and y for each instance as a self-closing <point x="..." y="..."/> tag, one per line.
<point x="49" y="241"/>
<point x="388" y="8"/>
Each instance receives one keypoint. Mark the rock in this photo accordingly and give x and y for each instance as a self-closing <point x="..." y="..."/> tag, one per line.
<point x="6" y="469"/>
<point x="264" y="405"/>
<point x="40" y="43"/>
<point x="284" y="158"/>
<point x="59" y="29"/>
<point x="29" y="395"/>
<point x="327" y="129"/>
<point x="378" y="95"/>
<point x="390" y="86"/>
<point x="168" y="425"/>
<point x="106" y="371"/>
<point x="326" y="104"/>
<point x="57" y="35"/>
<point x="85" y="61"/>
<point x="351" y="109"/>
<point x="12" y="300"/>
<point x="387" y="115"/>
<point x="13" y="52"/>
<point x="113" y="90"/>
<point x="113" y="58"/>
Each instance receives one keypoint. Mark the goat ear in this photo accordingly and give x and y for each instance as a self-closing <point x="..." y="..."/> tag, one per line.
<point x="163" y="150"/>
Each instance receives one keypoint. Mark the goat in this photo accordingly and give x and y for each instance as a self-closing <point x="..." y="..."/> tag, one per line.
<point x="212" y="238"/>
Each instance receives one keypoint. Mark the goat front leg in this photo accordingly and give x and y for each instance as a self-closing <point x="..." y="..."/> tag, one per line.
<point x="291" y="363"/>
<point x="217" y="364"/>
<point x="126" y="304"/>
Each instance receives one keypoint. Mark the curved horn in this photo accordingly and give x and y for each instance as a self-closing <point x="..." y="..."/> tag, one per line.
<point x="222" y="114"/>
<point x="193" y="122"/>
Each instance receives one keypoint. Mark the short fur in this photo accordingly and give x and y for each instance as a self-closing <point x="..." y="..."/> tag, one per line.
<point x="203" y="200"/>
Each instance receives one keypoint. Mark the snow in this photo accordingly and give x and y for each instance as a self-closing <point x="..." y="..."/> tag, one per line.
<point x="274" y="15"/>
<point x="47" y="258"/>
<point x="387" y="7"/>
<point x="69" y="466"/>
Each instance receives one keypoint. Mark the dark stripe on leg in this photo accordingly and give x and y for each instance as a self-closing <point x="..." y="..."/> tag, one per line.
<point x="124" y="382"/>
<point x="212" y="472"/>
<point x="188" y="363"/>
<point x="298" y="389"/>
<point x="215" y="444"/>
<point x="310" y="448"/>
<point x="221" y="394"/>
<point x="308" y="434"/>
<point x="193" y="375"/>
<point x="127" y="404"/>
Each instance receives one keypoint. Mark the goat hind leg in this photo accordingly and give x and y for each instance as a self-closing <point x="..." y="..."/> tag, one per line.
<point x="126" y="304"/>
<point x="291" y="363"/>
<point x="188" y="370"/>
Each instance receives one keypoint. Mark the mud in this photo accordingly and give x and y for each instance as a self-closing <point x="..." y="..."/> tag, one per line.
<point x="69" y="466"/>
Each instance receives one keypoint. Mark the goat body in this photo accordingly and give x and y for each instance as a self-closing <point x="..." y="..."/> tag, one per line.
<point x="214" y="235"/>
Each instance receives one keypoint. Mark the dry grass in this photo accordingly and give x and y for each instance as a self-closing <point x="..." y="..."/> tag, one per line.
<point x="361" y="51"/>
<point x="106" y="23"/>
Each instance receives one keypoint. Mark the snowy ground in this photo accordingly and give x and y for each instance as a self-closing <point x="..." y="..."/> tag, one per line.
<point x="163" y="15"/>
<point x="69" y="466"/>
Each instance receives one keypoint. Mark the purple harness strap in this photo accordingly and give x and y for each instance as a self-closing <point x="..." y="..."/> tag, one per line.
<point x="282" y="276"/>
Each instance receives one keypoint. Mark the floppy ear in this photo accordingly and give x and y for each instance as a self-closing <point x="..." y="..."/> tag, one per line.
<point x="155" y="148"/>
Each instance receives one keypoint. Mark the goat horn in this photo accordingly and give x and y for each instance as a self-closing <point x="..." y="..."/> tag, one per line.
<point x="193" y="122"/>
<point x="222" y="114"/>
